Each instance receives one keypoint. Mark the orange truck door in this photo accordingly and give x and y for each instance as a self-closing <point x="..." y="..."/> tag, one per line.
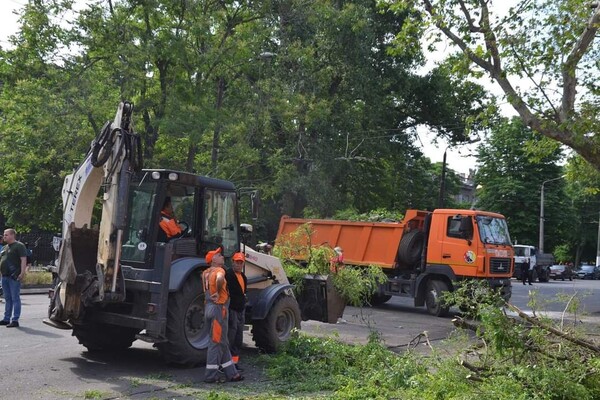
<point x="458" y="249"/>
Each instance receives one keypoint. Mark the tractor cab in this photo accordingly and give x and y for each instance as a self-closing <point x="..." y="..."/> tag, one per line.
<point x="205" y="210"/>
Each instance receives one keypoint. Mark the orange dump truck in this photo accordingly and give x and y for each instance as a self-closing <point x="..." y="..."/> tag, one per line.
<point x="425" y="254"/>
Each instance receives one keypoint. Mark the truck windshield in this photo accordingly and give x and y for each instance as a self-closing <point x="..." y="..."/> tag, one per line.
<point x="220" y="220"/>
<point x="519" y="251"/>
<point x="493" y="230"/>
<point x="141" y="200"/>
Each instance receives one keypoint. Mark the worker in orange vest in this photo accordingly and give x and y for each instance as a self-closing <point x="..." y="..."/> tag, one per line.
<point x="215" y="315"/>
<point x="169" y="227"/>
<point x="237" y="283"/>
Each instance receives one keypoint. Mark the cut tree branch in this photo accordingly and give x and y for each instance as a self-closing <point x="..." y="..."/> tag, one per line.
<point x="534" y="321"/>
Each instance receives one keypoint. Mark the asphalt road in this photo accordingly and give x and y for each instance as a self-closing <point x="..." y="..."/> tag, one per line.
<point x="40" y="362"/>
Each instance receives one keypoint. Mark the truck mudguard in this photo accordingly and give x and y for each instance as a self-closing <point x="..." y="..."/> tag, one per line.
<point x="265" y="300"/>
<point x="181" y="269"/>
<point x="441" y="270"/>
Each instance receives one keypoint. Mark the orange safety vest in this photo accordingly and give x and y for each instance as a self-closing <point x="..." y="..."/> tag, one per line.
<point x="169" y="224"/>
<point x="209" y="279"/>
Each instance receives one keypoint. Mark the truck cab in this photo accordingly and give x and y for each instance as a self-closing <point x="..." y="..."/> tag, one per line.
<point x="539" y="262"/>
<point x="475" y="245"/>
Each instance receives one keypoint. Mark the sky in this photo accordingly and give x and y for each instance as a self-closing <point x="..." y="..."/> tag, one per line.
<point x="459" y="158"/>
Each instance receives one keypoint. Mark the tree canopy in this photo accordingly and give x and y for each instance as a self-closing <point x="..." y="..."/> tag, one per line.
<point x="308" y="101"/>
<point x="542" y="54"/>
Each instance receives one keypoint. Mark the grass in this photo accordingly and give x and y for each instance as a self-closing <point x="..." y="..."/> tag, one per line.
<point x="94" y="394"/>
<point x="37" y="278"/>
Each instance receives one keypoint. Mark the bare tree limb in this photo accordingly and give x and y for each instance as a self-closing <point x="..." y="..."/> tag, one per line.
<point x="568" y="68"/>
<point x="468" y="17"/>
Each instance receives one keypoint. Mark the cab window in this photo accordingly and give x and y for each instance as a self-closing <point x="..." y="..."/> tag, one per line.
<point x="220" y="221"/>
<point x="456" y="228"/>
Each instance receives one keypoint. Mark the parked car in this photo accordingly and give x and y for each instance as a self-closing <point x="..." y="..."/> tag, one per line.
<point x="588" y="272"/>
<point x="561" y="272"/>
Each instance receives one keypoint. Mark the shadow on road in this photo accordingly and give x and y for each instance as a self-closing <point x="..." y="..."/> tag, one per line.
<point x="37" y="332"/>
<point x="135" y="373"/>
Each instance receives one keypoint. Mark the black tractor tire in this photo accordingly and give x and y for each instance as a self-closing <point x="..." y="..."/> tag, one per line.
<point x="435" y="289"/>
<point x="411" y="246"/>
<point x="187" y="335"/>
<point x="379" y="299"/>
<point x="98" y="337"/>
<point x="270" y="333"/>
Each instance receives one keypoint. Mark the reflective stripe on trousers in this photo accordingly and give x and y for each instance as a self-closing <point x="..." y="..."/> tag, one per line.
<point x="218" y="353"/>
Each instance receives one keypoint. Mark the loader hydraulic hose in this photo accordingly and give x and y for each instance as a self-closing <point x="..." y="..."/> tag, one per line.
<point x="102" y="147"/>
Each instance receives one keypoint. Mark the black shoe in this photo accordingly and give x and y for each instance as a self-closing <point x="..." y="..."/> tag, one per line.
<point x="14" y="324"/>
<point x="3" y="322"/>
<point x="531" y="283"/>
<point x="239" y="367"/>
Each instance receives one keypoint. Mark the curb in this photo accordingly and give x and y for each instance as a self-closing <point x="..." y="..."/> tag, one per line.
<point x="36" y="290"/>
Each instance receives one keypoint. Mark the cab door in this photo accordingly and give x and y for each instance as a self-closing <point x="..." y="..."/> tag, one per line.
<point x="459" y="250"/>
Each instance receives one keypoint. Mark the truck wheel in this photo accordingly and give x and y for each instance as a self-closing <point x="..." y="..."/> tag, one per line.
<point x="433" y="298"/>
<point x="379" y="299"/>
<point x="276" y="328"/>
<point x="411" y="246"/>
<point x="187" y="337"/>
<point x="97" y="336"/>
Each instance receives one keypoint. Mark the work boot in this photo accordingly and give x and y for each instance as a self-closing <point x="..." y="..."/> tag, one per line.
<point x="14" y="324"/>
<point x="3" y="322"/>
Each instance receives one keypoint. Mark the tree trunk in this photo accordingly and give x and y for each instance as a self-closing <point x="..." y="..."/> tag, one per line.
<point x="214" y="158"/>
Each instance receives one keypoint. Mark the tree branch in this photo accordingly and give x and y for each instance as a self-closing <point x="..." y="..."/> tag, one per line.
<point x="534" y="321"/>
<point x="568" y="68"/>
<point x="458" y="41"/>
<point x="467" y="14"/>
<point x="530" y="76"/>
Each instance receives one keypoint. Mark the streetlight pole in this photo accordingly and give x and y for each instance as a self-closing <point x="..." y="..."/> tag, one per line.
<point x="541" y="242"/>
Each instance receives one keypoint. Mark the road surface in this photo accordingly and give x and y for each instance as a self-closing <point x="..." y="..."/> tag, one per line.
<point x="40" y="362"/>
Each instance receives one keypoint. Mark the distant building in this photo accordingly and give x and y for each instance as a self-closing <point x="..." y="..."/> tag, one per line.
<point x="466" y="193"/>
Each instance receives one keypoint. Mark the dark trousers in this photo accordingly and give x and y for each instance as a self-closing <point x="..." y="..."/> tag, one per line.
<point x="236" y="333"/>
<point x="526" y="275"/>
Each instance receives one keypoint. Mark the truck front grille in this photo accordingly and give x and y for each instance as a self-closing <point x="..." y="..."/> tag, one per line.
<point x="500" y="265"/>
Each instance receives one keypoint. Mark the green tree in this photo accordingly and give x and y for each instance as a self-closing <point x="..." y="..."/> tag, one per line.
<point x="584" y="190"/>
<point x="547" y="43"/>
<point x="308" y="102"/>
<point x="511" y="171"/>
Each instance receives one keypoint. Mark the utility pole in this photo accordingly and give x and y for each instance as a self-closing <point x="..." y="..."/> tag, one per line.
<point x="541" y="242"/>
<point x="442" y="193"/>
<point x="598" y="245"/>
